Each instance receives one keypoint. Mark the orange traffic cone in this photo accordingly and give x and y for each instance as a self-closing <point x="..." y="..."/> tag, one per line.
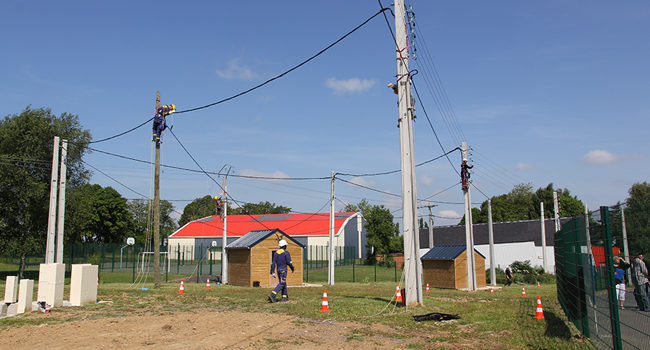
<point x="491" y="289"/>
<point x="207" y="284"/>
<point x="538" y="284"/>
<point x="324" y="307"/>
<point x="539" y="313"/>
<point x="181" y="290"/>
<point x="523" y="291"/>
<point x="398" y="298"/>
<point x="427" y="287"/>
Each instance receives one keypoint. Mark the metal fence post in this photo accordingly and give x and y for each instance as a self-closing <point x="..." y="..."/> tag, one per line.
<point x="132" y="257"/>
<point x="178" y="258"/>
<point x="375" y="262"/>
<point x="611" y="290"/>
<point x="395" y="262"/>
<point x="113" y="258"/>
<point x="353" y="279"/>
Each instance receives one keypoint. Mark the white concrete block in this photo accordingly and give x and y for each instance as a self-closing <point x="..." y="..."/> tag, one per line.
<point x="83" y="284"/>
<point x="25" y="296"/>
<point x="12" y="310"/>
<point x="3" y="310"/>
<point x="35" y="306"/>
<point x="50" y="284"/>
<point x="11" y="289"/>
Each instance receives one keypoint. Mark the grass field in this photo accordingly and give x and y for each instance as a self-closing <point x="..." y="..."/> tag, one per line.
<point x="500" y="320"/>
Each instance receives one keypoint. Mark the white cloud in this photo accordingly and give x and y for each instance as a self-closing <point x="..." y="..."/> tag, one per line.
<point x="524" y="166"/>
<point x="426" y="180"/>
<point x="361" y="181"/>
<point x="257" y="173"/>
<point x="236" y="71"/>
<point x="601" y="157"/>
<point x="349" y="86"/>
<point x="450" y="214"/>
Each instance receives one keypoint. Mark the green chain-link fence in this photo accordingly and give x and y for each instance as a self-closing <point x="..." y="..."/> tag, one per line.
<point x="585" y="252"/>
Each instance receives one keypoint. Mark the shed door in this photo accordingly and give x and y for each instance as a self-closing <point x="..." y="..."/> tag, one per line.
<point x="273" y="281"/>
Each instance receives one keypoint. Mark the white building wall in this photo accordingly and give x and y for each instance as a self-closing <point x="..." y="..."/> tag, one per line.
<point x="506" y="253"/>
<point x="182" y="244"/>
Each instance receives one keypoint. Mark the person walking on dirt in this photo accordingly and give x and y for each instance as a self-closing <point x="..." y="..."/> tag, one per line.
<point x="508" y="276"/>
<point x="640" y="280"/>
<point x="281" y="259"/>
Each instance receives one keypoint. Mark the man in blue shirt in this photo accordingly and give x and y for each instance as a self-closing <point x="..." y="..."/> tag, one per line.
<point x="281" y="259"/>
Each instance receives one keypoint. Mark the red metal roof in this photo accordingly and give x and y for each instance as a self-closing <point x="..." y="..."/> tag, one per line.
<point x="304" y="224"/>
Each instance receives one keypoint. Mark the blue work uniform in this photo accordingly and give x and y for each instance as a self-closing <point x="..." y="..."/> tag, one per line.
<point x="281" y="259"/>
<point x="159" y="123"/>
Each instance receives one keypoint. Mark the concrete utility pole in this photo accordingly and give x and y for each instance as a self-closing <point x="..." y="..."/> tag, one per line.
<point x="493" y="273"/>
<point x="412" y="264"/>
<point x="543" y="230"/>
<point x="224" y="236"/>
<point x="469" y="234"/>
<point x="61" y="218"/>
<point x="359" y="231"/>
<point x="330" y="274"/>
<point x="51" y="221"/>
<point x="156" y="209"/>
<point x="588" y="236"/>
<point x="556" y="211"/>
<point x="626" y="251"/>
<point x="430" y="225"/>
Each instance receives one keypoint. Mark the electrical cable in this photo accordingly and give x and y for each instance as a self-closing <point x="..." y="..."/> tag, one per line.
<point x="288" y="71"/>
<point x="212" y="173"/>
<point x="397" y="171"/>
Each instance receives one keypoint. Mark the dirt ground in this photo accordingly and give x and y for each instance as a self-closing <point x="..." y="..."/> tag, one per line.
<point x="208" y="330"/>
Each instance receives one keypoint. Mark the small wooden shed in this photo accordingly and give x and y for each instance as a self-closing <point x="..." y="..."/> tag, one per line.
<point x="250" y="257"/>
<point x="445" y="266"/>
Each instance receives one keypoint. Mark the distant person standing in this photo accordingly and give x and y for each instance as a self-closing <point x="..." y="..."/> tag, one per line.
<point x="640" y="281"/>
<point x="508" y="276"/>
<point x="619" y="277"/>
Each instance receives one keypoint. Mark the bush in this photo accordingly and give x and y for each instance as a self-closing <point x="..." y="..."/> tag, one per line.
<point x="524" y="273"/>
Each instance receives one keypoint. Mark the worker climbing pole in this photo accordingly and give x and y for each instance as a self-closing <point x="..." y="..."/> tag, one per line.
<point x="464" y="174"/>
<point x="159" y="120"/>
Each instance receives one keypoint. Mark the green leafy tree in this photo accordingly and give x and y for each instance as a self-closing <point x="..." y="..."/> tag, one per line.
<point x="523" y="204"/>
<point x="142" y="219"/>
<point x="259" y="208"/>
<point x="108" y="218"/>
<point x="381" y="232"/>
<point x="197" y="209"/>
<point x="25" y="171"/>
<point x="637" y="218"/>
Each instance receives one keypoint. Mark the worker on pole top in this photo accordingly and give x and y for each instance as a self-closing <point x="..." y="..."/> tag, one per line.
<point x="464" y="174"/>
<point x="159" y="122"/>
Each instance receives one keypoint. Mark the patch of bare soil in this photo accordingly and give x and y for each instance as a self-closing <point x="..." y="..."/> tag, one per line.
<point x="200" y="330"/>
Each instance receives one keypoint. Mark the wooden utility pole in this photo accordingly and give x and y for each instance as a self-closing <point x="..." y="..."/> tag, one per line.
<point x="156" y="209"/>
<point x="412" y="264"/>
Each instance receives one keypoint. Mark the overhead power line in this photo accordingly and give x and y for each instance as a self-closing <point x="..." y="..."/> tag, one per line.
<point x="397" y="171"/>
<point x="256" y="86"/>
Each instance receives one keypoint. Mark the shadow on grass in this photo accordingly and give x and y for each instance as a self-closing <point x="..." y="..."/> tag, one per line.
<point x="556" y="327"/>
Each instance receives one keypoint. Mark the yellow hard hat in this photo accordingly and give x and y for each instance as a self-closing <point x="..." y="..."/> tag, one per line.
<point x="172" y="106"/>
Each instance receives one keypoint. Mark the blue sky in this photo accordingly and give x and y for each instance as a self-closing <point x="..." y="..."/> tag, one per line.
<point x="543" y="92"/>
